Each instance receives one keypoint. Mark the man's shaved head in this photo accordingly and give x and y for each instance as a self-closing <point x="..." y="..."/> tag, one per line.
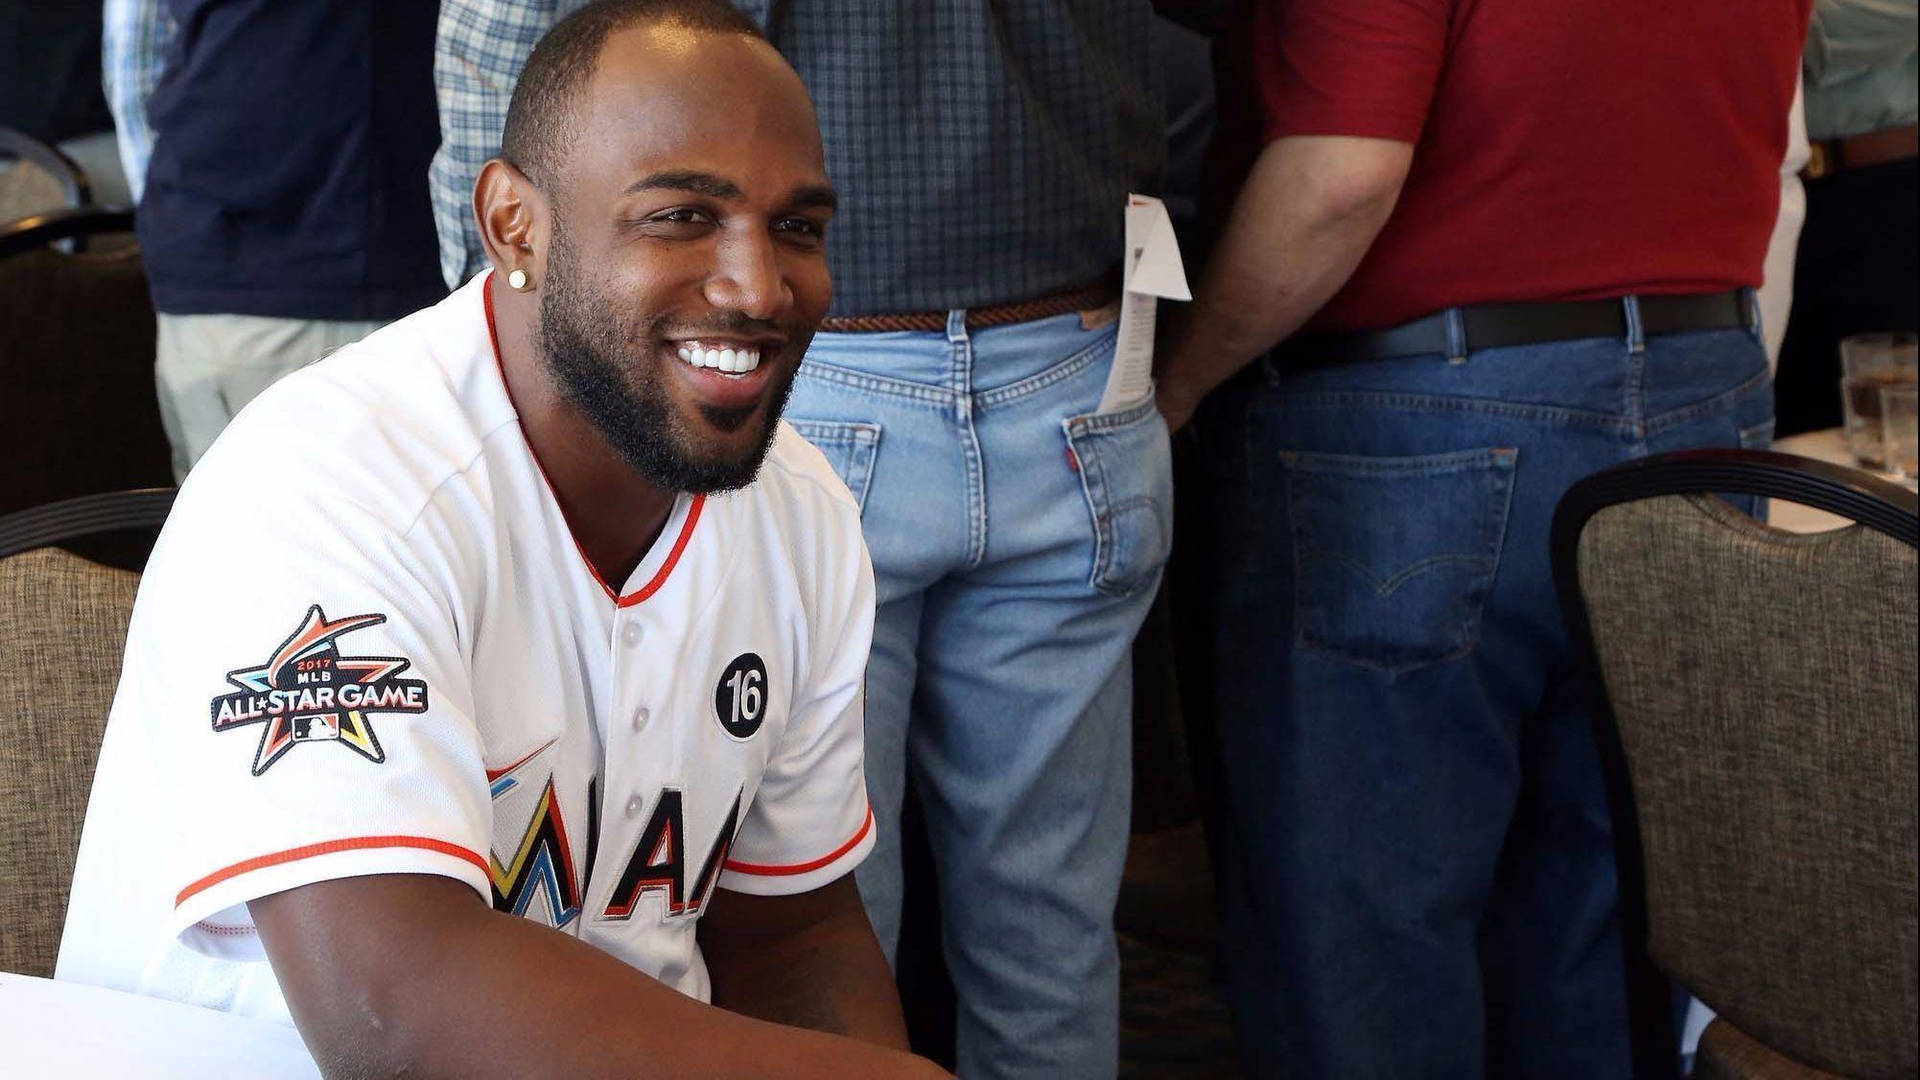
<point x="664" y="193"/>
<point x="545" y="101"/>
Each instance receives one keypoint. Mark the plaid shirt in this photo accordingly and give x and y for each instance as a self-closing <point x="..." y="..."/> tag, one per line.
<point x="134" y="38"/>
<point x="477" y="57"/>
<point x="982" y="151"/>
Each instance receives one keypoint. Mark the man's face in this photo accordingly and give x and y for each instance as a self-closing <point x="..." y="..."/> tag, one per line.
<point x="686" y="270"/>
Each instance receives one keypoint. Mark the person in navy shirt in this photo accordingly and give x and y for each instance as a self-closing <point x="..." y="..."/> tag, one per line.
<point x="285" y="209"/>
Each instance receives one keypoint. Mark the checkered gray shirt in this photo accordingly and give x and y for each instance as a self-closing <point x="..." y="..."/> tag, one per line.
<point x="982" y="150"/>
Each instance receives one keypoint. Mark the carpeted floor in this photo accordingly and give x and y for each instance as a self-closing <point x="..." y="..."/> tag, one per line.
<point x="1173" y="1023"/>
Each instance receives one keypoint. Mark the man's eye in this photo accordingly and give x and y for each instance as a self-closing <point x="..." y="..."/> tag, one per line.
<point x="801" y="228"/>
<point x="680" y="217"/>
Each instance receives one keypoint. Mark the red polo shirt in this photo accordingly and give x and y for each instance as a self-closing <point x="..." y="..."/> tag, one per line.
<point x="1564" y="149"/>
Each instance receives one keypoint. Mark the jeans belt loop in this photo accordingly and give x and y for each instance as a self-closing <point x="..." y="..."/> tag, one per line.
<point x="1456" y="336"/>
<point x="956" y="326"/>
<point x="1636" y="329"/>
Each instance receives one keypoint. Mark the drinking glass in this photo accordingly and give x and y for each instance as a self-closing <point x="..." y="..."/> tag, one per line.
<point x="1869" y="364"/>
<point x="1900" y="430"/>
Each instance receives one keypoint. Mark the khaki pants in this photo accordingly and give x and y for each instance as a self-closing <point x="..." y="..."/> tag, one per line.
<point x="207" y="366"/>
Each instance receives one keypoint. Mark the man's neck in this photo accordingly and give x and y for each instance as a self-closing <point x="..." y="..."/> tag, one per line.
<point x="614" y="513"/>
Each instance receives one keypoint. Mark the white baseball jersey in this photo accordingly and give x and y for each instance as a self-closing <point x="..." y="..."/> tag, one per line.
<point x="366" y="643"/>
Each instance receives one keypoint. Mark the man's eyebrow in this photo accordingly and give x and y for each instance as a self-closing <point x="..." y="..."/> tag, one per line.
<point x="687" y="180"/>
<point x="813" y="197"/>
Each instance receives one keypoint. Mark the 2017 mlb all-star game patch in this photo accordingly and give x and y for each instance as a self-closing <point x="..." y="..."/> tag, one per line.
<point x="308" y="692"/>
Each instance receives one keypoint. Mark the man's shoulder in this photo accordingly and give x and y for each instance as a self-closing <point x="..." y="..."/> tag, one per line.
<point x="798" y="475"/>
<point x="797" y="521"/>
<point x="382" y="423"/>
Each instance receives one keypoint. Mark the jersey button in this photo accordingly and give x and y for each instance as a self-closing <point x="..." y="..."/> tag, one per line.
<point x="630" y="634"/>
<point x="635" y="805"/>
<point x="640" y="718"/>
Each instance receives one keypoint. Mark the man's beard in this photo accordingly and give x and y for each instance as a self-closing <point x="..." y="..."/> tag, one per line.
<point x="583" y="343"/>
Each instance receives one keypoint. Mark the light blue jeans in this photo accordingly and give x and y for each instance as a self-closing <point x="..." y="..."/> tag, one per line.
<point x="1017" y="539"/>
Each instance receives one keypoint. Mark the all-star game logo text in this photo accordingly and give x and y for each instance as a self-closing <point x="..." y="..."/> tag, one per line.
<point x="308" y="692"/>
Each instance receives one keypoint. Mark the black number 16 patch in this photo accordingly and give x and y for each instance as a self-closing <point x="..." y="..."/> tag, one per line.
<point x="740" y="701"/>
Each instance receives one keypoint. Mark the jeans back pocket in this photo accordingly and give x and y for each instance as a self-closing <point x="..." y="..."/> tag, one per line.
<point x="849" y="447"/>
<point x="1126" y="471"/>
<point x="1394" y="556"/>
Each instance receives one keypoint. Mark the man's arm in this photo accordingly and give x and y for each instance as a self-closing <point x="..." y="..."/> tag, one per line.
<point x="1310" y="209"/>
<point x="135" y="35"/>
<point x="809" y="960"/>
<point x="413" y="974"/>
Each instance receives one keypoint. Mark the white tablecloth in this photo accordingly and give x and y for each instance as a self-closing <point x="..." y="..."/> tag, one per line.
<point x="63" y="1030"/>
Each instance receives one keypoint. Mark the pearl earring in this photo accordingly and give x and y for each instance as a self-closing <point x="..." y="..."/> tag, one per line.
<point x="518" y="280"/>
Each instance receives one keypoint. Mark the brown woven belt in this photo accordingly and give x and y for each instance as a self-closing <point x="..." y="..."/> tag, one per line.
<point x="1085" y="298"/>
<point x="1829" y="156"/>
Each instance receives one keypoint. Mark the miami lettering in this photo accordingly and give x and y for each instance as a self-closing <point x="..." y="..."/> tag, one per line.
<point x="658" y="862"/>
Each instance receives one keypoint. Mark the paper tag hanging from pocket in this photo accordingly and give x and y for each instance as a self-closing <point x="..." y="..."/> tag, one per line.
<point x="1150" y="270"/>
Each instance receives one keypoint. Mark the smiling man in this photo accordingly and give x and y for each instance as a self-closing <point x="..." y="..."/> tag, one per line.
<point x="492" y="704"/>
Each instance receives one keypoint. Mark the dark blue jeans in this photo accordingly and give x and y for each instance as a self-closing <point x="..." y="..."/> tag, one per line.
<point x="1417" y="873"/>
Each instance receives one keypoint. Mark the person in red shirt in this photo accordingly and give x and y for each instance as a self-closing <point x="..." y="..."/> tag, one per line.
<point x="1500" y="245"/>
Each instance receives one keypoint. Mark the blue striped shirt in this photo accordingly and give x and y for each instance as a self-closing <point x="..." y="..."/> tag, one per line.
<point x="135" y="38"/>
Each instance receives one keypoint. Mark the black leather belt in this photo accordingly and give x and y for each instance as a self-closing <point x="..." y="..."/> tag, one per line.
<point x="1492" y="326"/>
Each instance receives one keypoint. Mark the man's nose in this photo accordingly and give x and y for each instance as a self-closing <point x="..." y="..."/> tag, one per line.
<point x="748" y="278"/>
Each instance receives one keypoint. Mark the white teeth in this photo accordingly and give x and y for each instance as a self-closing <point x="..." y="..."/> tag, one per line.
<point x="731" y="361"/>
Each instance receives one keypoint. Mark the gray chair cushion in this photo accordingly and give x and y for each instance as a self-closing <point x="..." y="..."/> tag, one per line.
<point x="63" y="625"/>
<point x="27" y="189"/>
<point x="1765" y="688"/>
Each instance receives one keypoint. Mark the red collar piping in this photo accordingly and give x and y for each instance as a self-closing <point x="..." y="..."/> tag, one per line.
<point x="686" y="528"/>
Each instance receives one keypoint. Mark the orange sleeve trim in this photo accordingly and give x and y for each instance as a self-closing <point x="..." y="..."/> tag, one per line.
<point x="359" y="843"/>
<point x="801" y="868"/>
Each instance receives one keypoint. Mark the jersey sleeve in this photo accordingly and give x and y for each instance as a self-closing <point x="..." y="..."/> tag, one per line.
<point x="296" y="679"/>
<point x="810" y="822"/>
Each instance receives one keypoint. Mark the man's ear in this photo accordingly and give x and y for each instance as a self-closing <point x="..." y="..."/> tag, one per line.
<point x="514" y="221"/>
